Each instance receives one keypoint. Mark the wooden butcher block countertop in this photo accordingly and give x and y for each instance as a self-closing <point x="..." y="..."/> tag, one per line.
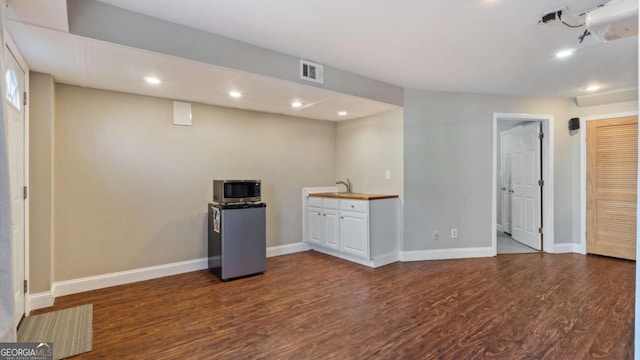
<point x="353" y="196"/>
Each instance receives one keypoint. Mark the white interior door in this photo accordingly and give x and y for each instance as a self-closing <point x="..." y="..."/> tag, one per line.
<point x="526" y="195"/>
<point x="506" y="149"/>
<point x="15" y="81"/>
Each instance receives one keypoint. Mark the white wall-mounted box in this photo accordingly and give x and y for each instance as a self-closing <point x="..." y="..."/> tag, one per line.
<point x="181" y="113"/>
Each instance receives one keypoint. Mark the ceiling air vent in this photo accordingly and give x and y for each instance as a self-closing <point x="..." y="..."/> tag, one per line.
<point x="311" y="71"/>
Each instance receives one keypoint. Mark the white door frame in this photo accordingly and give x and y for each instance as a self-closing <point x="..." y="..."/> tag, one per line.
<point x="11" y="45"/>
<point x="548" y="241"/>
<point x="582" y="246"/>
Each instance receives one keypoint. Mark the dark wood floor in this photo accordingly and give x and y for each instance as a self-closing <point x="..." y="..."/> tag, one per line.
<point x="313" y="306"/>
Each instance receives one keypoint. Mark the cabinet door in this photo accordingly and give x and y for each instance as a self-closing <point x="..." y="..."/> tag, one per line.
<point x="354" y="233"/>
<point x="332" y="228"/>
<point x="316" y="225"/>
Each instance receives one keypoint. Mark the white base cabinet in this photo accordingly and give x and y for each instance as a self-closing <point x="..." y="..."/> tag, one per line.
<point x="363" y="231"/>
<point x="324" y="227"/>
<point x="354" y="231"/>
<point x="316" y="225"/>
<point x="332" y="226"/>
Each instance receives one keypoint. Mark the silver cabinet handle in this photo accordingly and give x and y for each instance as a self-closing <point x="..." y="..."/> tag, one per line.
<point x="504" y="188"/>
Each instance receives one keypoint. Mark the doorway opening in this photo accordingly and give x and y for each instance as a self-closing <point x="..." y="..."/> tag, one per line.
<point x="519" y="197"/>
<point x="522" y="186"/>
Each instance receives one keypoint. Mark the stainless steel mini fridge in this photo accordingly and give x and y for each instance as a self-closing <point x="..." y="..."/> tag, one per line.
<point x="237" y="240"/>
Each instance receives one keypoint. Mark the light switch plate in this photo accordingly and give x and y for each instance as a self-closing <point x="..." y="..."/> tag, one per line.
<point x="387" y="174"/>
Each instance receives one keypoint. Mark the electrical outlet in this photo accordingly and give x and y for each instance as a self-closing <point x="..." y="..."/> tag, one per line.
<point x="436" y="235"/>
<point x="454" y="233"/>
<point x="387" y="174"/>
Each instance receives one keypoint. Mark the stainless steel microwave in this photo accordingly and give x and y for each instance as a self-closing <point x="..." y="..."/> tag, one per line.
<point x="236" y="191"/>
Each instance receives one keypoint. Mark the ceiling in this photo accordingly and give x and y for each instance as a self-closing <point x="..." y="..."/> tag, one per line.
<point x="44" y="41"/>
<point x="85" y="62"/>
<point x="477" y="46"/>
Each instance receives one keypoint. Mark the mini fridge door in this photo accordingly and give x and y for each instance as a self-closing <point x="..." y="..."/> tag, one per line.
<point x="244" y="246"/>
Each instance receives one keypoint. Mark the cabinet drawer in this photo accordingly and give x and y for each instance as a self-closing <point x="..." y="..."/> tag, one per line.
<point x="354" y="205"/>
<point x="331" y="203"/>
<point x="314" y="201"/>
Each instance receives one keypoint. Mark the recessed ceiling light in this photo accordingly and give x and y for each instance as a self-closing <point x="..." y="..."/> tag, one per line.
<point x="592" y="88"/>
<point x="565" y="53"/>
<point x="342" y="113"/>
<point x="296" y="104"/>
<point x="235" y="94"/>
<point x="152" y="80"/>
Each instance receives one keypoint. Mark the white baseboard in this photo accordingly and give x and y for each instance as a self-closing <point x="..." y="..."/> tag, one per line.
<point x="126" y="277"/>
<point x="343" y="256"/>
<point x="499" y="227"/>
<point x="287" y="249"/>
<point x="379" y="261"/>
<point x="568" y="248"/>
<point x="442" y="254"/>
<point x="74" y="286"/>
<point x="67" y="287"/>
<point x="385" y="259"/>
<point x="41" y="300"/>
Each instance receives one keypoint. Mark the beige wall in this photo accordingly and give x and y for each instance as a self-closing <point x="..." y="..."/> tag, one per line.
<point x="41" y="140"/>
<point x="366" y="148"/>
<point x="132" y="189"/>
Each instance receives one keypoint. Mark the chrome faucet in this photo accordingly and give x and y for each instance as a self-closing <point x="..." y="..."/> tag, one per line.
<point x="347" y="184"/>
